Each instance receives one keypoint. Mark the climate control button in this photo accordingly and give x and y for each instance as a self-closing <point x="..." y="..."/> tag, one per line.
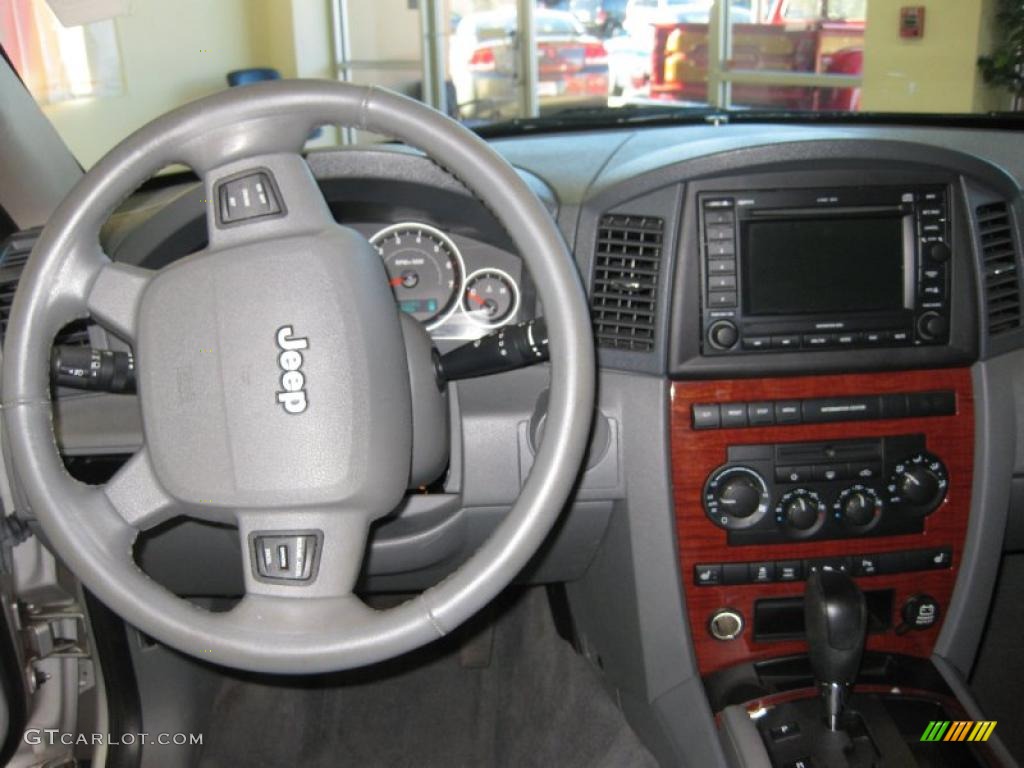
<point x="735" y="497"/>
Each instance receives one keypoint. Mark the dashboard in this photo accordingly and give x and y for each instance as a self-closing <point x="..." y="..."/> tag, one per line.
<point x="809" y="341"/>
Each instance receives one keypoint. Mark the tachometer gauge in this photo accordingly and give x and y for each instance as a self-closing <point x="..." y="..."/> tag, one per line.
<point x="425" y="270"/>
<point x="490" y="297"/>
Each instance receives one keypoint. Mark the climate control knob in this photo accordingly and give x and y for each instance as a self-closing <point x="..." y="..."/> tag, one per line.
<point x="735" y="497"/>
<point x="858" y="507"/>
<point x="801" y="512"/>
<point x="919" y="484"/>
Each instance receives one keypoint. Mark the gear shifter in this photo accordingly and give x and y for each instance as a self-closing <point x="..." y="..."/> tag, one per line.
<point x="835" y="617"/>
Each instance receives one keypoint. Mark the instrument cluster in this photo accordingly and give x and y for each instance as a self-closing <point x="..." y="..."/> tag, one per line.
<point x="458" y="287"/>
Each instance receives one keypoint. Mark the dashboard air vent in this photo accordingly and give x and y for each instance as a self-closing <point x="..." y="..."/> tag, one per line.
<point x="14" y="253"/>
<point x="999" y="257"/>
<point x="626" y="268"/>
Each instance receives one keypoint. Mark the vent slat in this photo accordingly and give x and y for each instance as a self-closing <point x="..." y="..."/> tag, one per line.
<point x="14" y="253"/>
<point x="627" y="263"/>
<point x="999" y="256"/>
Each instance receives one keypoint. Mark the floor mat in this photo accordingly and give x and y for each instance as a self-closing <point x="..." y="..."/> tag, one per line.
<point x="536" y="704"/>
<point x="999" y="670"/>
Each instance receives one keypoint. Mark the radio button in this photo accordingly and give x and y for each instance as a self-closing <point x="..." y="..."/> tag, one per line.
<point x="705" y="416"/>
<point x="718" y="217"/>
<point x="757" y="342"/>
<point x="722" y="283"/>
<point x="876" y="337"/>
<point x="900" y="337"/>
<point x="819" y="340"/>
<point x="725" y="266"/>
<point x="722" y="299"/>
<point x="760" y="414"/>
<point x="787" y="412"/>
<point x="720" y="232"/>
<point x="933" y="290"/>
<point x="734" y="415"/>
<point x="840" y="409"/>
<point x="791" y="341"/>
<point x="847" y="339"/>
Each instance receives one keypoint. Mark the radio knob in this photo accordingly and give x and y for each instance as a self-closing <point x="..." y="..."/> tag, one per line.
<point x="932" y="325"/>
<point x="858" y="507"/>
<point x="723" y="335"/>
<point x="939" y="252"/>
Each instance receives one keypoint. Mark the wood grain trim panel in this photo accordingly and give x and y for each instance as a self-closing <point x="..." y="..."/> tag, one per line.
<point x="696" y="453"/>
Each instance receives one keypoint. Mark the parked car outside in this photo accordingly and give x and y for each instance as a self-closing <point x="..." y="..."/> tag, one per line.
<point x="572" y="65"/>
<point x="602" y="18"/>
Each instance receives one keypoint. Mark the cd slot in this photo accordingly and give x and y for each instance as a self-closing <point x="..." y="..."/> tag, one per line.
<point x="824" y="212"/>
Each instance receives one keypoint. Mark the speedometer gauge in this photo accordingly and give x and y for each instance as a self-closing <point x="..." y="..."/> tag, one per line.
<point x="425" y="270"/>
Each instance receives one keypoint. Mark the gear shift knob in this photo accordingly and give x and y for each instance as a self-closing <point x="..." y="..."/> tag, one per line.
<point x="835" y="618"/>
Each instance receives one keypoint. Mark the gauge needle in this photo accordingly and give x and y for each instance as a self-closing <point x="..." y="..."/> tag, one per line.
<point x="395" y="281"/>
<point x="477" y="299"/>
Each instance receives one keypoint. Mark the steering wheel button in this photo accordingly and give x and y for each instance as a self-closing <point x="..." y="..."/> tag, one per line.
<point x="245" y="197"/>
<point x="288" y="557"/>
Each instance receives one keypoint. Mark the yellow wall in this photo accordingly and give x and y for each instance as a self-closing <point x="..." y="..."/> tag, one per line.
<point x="174" y="51"/>
<point x="937" y="73"/>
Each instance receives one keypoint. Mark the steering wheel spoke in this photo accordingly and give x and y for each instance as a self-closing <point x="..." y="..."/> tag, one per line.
<point x="115" y="296"/>
<point x="301" y="553"/>
<point x="136" y="495"/>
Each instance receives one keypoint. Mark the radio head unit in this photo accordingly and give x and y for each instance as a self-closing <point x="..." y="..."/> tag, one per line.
<point x="790" y="270"/>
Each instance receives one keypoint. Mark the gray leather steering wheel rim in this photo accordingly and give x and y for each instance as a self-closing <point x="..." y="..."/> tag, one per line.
<point x="69" y="277"/>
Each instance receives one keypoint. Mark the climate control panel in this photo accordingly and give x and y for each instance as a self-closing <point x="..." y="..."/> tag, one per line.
<point x="839" y="489"/>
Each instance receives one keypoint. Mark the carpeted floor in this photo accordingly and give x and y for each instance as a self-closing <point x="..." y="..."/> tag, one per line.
<point x="537" y="703"/>
<point x="999" y="671"/>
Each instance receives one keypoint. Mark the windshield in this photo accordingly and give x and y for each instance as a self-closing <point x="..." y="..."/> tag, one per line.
<point x="489" y="62"/>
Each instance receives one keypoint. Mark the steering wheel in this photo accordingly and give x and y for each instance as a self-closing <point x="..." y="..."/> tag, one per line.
<point x="274" y="381"/>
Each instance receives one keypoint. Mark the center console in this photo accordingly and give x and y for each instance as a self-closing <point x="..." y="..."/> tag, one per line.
<point x="822" y="433"/>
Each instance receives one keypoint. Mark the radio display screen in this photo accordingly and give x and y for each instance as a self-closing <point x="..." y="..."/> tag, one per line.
<point x="822" y="265"/>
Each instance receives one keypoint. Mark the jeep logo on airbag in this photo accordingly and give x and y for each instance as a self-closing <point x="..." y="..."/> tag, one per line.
<point x="293" y="398"/>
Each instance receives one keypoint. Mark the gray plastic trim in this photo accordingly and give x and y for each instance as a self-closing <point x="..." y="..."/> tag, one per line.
<point x="963" y="694"/>
<point x="996" y="385"/>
